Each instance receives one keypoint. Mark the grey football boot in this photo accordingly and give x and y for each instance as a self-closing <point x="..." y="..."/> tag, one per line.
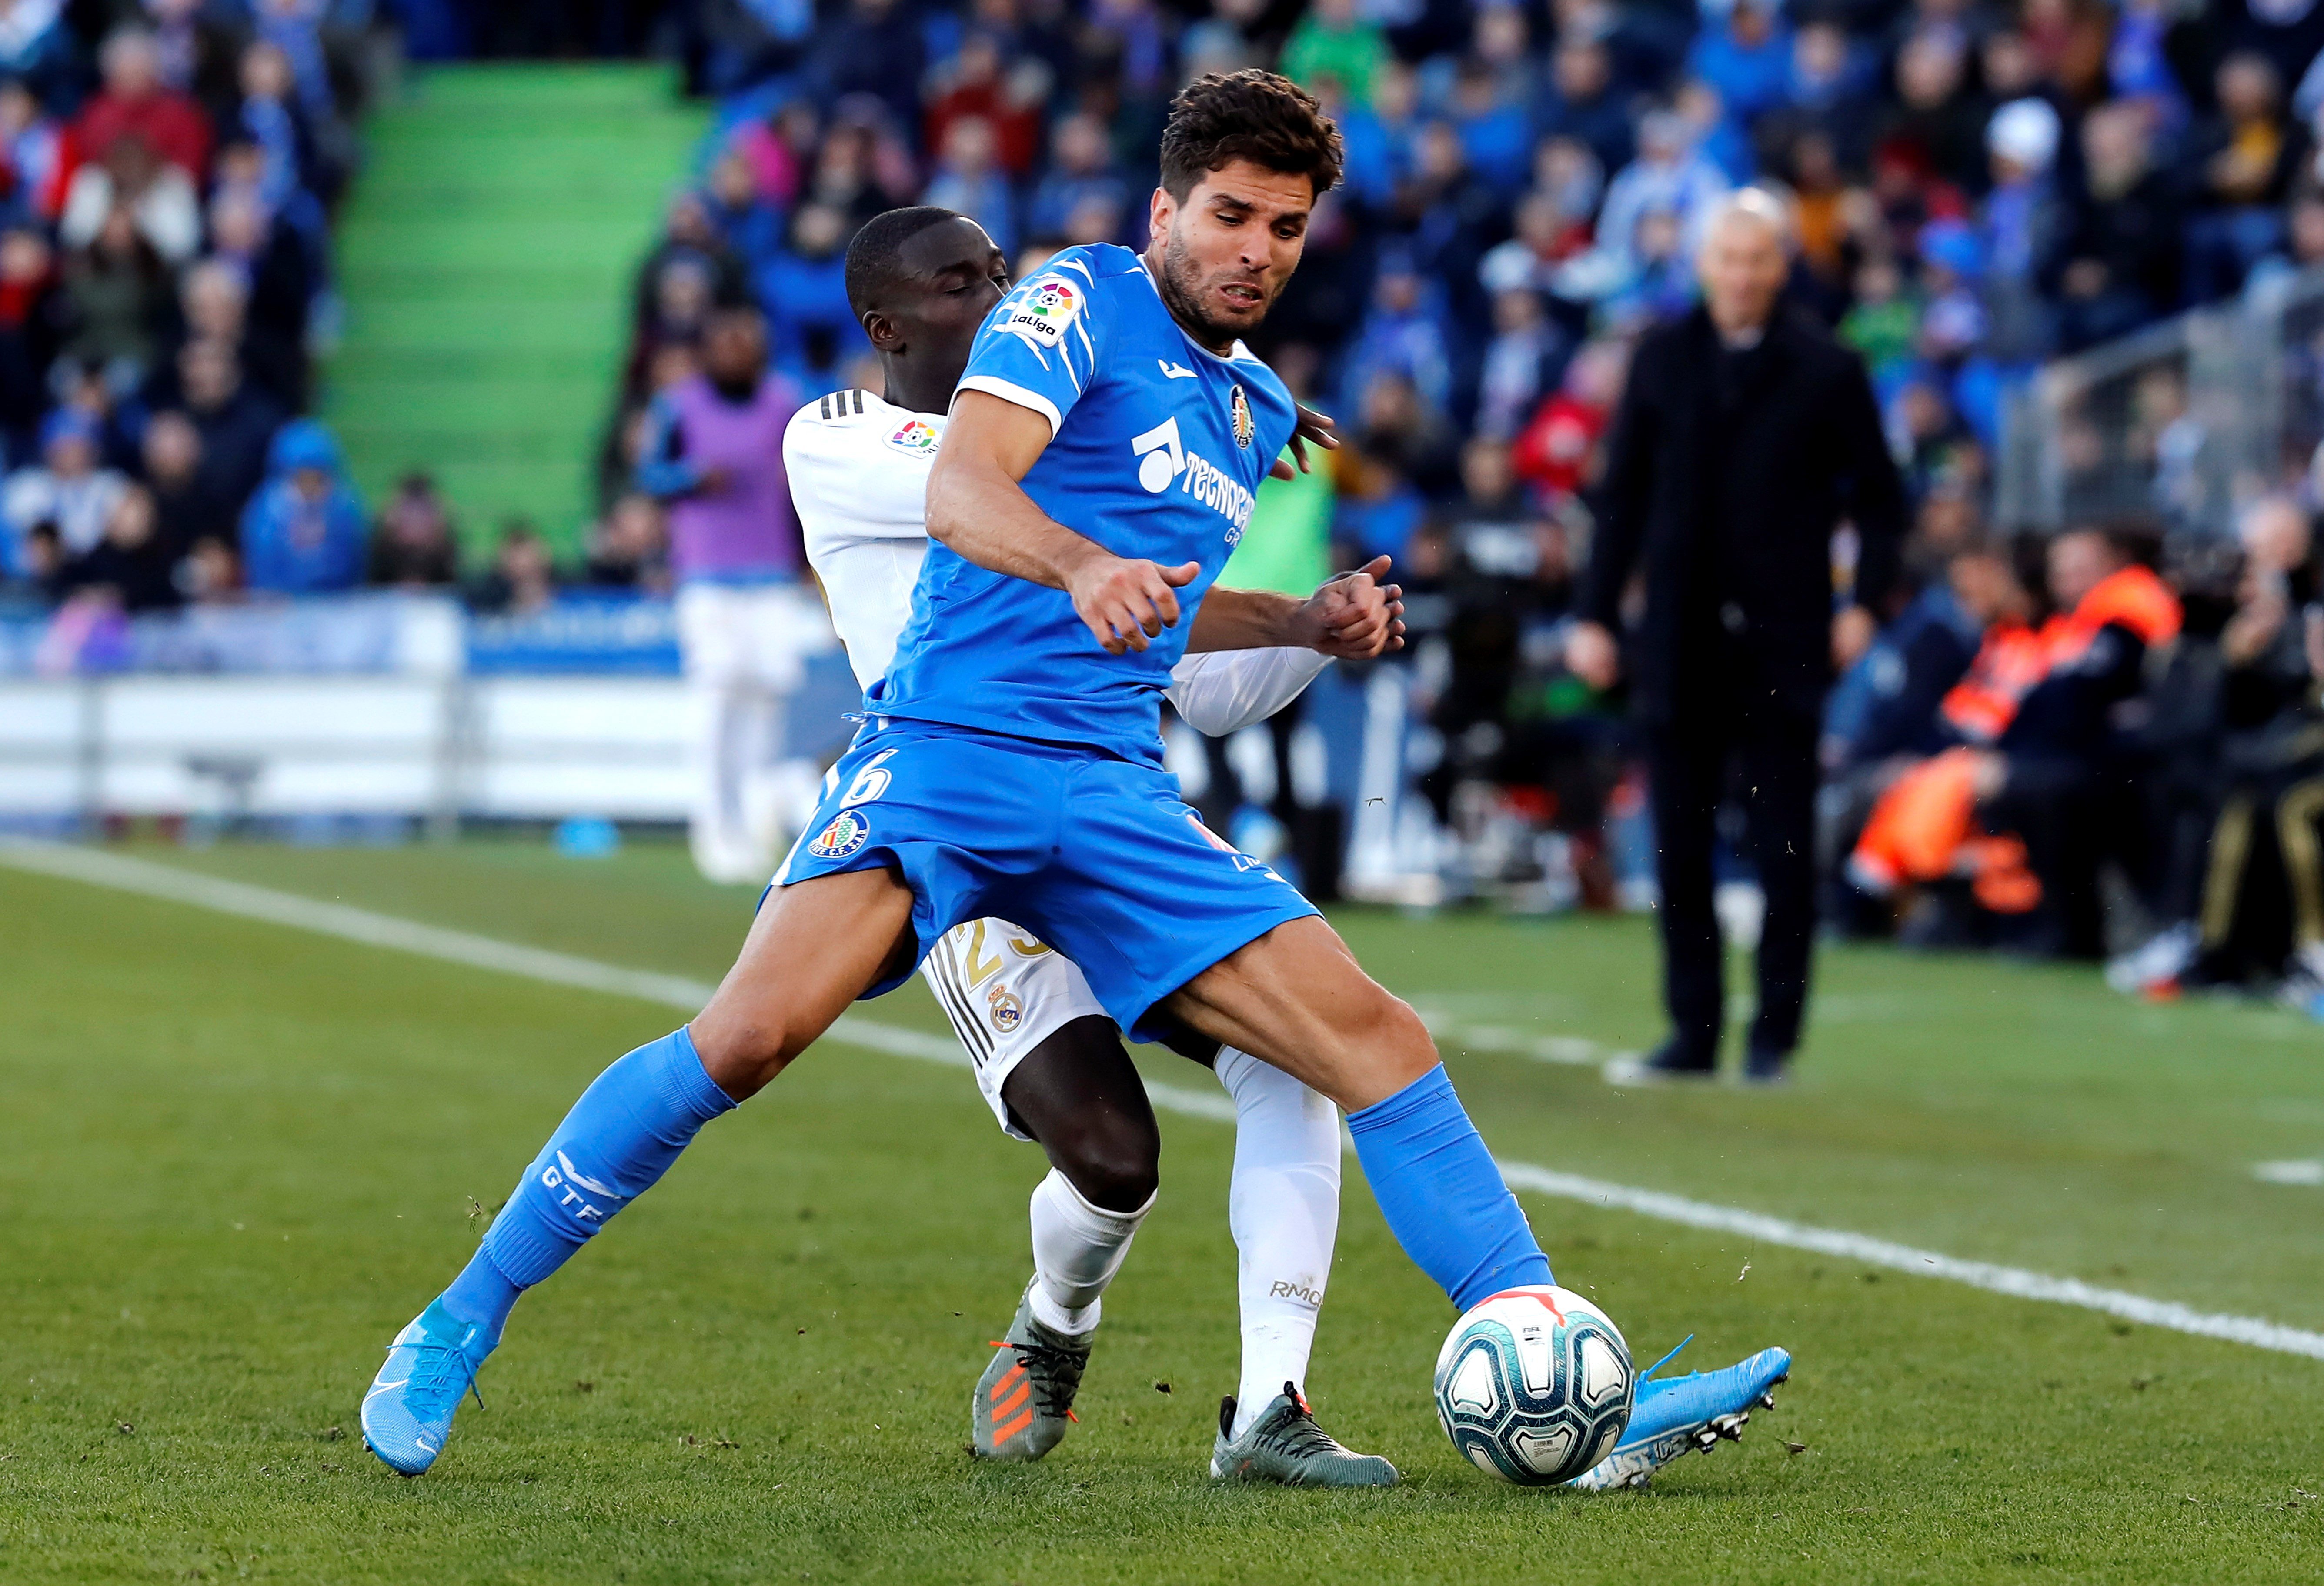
<point x="1024" y="1402"/>
<point x="1285" y="1444"/>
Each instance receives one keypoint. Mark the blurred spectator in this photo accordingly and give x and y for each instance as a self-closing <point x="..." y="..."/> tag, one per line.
<point x="2121" y="253"/>
<point x="1884" y="323"/>
<point x="1935" y="124"/>
<point x="211" y="574"/>
<point x="978" y="84"/>
<point x="1406" y="333"/>
<point x="1581" y="103"/>
<point x="302" y="532"/>
<point x="235" y="420"/>
<point x="688" y="270"/>
<point x="629" y="548"/>
<point x="245" y="234"/>
<point x="34" y="562"/>
<point x="1334" y="39"/>
<point x="1669" y="175"/>
<point x="746" y="622"/>
<point x="2241" y="162"/>
<point x="871" y="48"/>
<point x="66" y="487"/>
<point x="118" y="287"/>
<point x="779" y="150"/>
<point x="131" y="560"/>
<point x="38" y="51"/>
<point x="968" y="177"/>
<point x="36" y="156"/>
<point x="2023" y="223"/>
<point x="523" y="578"/>
<point x="805" y="293"/>
<point x="412" y="545"/>
<point x="134" y="101"/>
<point x="1521" y="361"/>
<point x="130" y="181"/>
<point x="1557" y="451"/>
<point x="751" y="223"/>
<point x="1081" y="173"/>
<point x="187" y="509"/>
<point x="32" y="314"/>
<point x="1747" y="57"/>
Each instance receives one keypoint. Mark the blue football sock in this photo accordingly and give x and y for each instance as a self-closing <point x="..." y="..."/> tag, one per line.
<point x="621" y="1137"/>
<point x="482" y="1293"/>
<point x="1442" y="1195"/>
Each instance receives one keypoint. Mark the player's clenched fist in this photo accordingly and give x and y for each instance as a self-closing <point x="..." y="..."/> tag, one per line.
<point x="1127" y="601"/>
<point x="1355" y="617"/>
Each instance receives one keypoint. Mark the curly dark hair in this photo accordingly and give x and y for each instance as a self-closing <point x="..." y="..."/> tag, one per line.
<point x="1254" y="116"/>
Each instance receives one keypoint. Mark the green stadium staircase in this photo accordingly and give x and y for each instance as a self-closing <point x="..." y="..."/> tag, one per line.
<point x="485" y="258"/>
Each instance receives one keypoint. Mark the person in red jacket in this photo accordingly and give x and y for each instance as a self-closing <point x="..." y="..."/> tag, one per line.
<point x="134" y="99"/>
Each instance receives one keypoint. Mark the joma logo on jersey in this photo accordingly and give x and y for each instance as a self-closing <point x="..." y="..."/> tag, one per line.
<point x="1163" y="458"/>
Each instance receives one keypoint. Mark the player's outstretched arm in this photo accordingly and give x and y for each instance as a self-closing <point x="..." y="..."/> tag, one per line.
<point x="976" y="508"/>
<point x="1356" y="616"/>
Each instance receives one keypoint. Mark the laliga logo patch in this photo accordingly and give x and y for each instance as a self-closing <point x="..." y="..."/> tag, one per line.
<point x="847" y="832"/>
<point x="1008" y="1012"/>
<point x="1238" y="407"/>
<point x="916" y="438"/>
<point x="1042" y="314"/>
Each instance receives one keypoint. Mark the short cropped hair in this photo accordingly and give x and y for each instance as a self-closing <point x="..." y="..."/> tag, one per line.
<point x="871" y="267"/>
<point x="1255" y="116"/>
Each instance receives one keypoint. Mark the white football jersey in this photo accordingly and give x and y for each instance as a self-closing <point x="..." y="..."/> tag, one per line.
<point x="859" y="474"/>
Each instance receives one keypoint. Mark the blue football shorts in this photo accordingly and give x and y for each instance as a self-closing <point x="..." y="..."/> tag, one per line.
<point x="1096" y="856"/>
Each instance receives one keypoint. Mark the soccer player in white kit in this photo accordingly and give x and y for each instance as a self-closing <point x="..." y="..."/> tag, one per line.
<point x="1047" y="1058"/>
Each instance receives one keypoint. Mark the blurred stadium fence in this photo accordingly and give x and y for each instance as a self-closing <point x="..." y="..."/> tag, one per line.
<point x="395" y="710"/>
<point x="2179" y="423"/>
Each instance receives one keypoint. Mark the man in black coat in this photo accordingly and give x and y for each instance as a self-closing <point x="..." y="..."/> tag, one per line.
<point x="1745" y="437"/>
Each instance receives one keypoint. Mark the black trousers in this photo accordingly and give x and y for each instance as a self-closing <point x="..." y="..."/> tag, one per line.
<point x="1767" y="760"/>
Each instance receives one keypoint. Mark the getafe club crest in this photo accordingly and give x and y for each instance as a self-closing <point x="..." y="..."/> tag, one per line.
<point x="848" y="831"/>
<point x="916" y="438"/>
<point x="1239" y="407"/>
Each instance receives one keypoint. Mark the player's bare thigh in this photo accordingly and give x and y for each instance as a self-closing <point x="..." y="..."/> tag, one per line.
<point x="816" y="946"/>
<point x="1298" y="998"/>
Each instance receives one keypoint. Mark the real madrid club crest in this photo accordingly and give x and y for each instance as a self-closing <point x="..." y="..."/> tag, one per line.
<point x="1007" y="1010"/>
<point x="844" y="835"/>
<point x="1239" y="405"/>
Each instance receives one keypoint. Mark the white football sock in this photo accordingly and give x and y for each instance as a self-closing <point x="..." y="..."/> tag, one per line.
<point x="1285" y="1210"/>
<point x="1078" y="1248"/>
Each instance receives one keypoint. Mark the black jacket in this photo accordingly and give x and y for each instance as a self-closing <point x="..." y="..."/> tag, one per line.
<point x="1803" y="447"/>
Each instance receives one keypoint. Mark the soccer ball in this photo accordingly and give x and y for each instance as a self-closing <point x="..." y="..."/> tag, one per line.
<point x="1535" y="1385"/>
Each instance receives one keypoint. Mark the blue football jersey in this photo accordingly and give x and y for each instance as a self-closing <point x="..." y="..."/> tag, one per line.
<point x="1156" y="451"/>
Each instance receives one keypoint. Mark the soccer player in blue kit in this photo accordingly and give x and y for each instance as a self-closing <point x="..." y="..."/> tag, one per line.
<point x="1012" y="766"/>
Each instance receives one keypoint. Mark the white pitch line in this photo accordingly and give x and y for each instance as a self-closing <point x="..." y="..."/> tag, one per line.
<point x="382" y="930"/>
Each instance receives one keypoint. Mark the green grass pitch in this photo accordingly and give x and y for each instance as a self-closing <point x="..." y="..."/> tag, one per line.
<point x="235" y="1158"/>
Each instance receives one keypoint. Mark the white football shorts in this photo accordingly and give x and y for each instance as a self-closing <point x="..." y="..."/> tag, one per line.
<point x="1005" y="993"/>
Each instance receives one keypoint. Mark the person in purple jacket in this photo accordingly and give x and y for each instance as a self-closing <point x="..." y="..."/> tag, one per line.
<point x="747" y="617"/>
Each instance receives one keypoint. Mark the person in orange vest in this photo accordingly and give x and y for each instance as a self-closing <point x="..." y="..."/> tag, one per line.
<point x="2014" y="807"/>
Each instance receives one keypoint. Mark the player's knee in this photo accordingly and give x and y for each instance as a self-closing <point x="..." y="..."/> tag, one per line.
<point x="1115" y="1165"/>
<point x="1399" y="1045"/>
<point x="743" y="1052"/>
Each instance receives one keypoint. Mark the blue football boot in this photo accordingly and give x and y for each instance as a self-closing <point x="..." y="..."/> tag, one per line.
<point x="1695" y="1411"/>
<point x="408" y="1414"/>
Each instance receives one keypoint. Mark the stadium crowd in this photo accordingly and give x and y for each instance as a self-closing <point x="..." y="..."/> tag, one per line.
<point x="2051" y="745"/>
<point x="167" y="172"/>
